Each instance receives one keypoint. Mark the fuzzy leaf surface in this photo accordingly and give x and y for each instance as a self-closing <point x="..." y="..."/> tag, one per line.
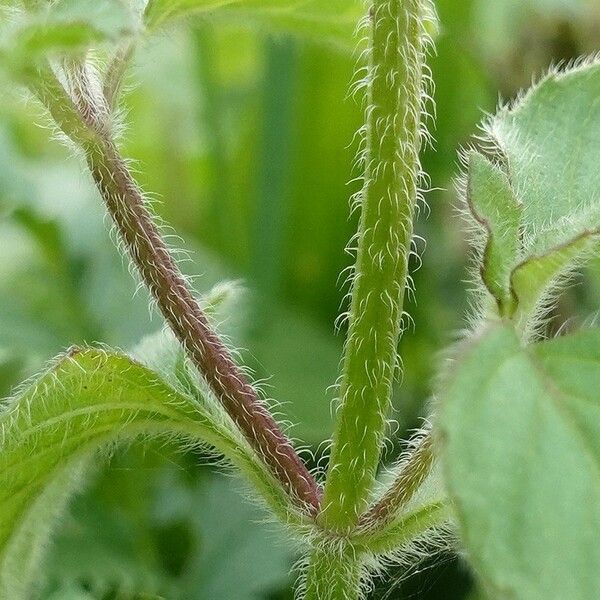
<point x="88" y="399"/>
<point x="495" y="207"/>
<point x="521" y="429"/>
<point x="550" y="140"/>
<point x="533" y="279"/>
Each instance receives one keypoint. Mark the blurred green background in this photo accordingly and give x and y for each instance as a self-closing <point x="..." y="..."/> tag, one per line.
<point x="246" y="141"/>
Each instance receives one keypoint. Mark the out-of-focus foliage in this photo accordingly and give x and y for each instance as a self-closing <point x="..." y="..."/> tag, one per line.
<point x="246" y="140"/>
<point x="186" y="536"/>
<point x="523" y="415"/>
<point x="333" y="22"/>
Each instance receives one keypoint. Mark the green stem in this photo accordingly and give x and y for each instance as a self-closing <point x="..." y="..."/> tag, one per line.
<point x="410" y="474"/>
<point x="404" y="529"/>
<point x="333" y="573"/>
<point x="389" y="195"/>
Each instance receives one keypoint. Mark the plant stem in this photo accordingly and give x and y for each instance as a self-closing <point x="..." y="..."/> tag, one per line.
<point x="405" y="529"/>
<point x="113" y="80"/>
<point x="388" y="198"/>
<point x="158" y="270"/>
<point x="411" y="474"/>
<point x="334" y="572"/>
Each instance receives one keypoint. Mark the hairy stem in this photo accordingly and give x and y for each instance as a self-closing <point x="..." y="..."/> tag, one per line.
<point x="113" y="80"/>
<point x="411" y="474"/>
<point x="158" y="270"/>
<point x="405" y="529"/>
<point x="333" y="572"/>
<point x="388" y="198"/>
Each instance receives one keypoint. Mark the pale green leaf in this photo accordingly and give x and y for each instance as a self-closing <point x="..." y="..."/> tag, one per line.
<point x="112" y="18"/>
<point x="88" y="399"/>
<point x="521" y="433"/>
<point x="152" y="527"/>
<point x="36" y="39"/>
<point x="550" y="140"/>
<point x="28" y="45"/>
<point x="499" y="24"/>
<point x="547" y="143"/>
<point x="158" y="10"/>
<point x="533" y="280"/>
<point x="27" y="516"/>
<point x="494" y="206"/>
<point x="61" y="28"/>
<point x="71" y="592"/>
<point x="107" y="544"/>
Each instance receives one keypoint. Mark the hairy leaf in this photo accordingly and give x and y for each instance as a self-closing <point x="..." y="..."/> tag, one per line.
<point x="550" y="140"/>
<point x="90" y="398"/>
<point x="521" y="427"/>
<point x="542" y="208"/>
<point x="494" y="205"/>
<point x="533" y="279"/>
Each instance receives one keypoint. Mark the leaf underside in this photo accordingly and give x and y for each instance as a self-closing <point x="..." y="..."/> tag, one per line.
<point x="494" y="205"/>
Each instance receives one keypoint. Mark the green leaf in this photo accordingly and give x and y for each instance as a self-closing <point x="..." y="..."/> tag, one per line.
<point x="521" y="432"/>
<point x="88" y="399"/>
<point x="532" y="281"/>
<point x="154" y="526"/>
<point x="108" y="544"/>
<point x="237" y="555"/>
<point x="40" y="307"/>
<point x="62" y="28"/>
<point x="499" y="24"/>
<point x="31" y="43"/>
<point x="495" y="207"/>
<point x="27" y="515"/>
<point x="332" y="21"/>
<point x="543" y="212"/>
<point x="550" y="140"/>
<point x="72" y="592"/>
<point x="36" y="39"/>
<point x="111" y="18"/>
